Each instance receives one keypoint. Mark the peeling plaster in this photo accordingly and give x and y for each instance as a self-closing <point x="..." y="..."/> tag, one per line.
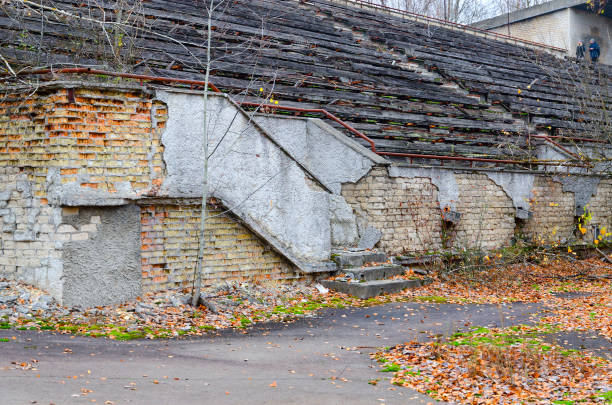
<point x="583" y="187"/>
<point x="517" y="186"/>
<point x="332" y="156"/>
<point x="252" y="175"/>
<point x="443" y="179"/>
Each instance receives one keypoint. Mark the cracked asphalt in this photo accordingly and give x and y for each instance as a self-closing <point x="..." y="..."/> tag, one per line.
<point x="322" y="360"/>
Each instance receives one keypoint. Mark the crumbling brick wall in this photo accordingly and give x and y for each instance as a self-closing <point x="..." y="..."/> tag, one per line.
<point x="170" y="234"/>
<point x="487" y="213"/>
<point x="92" y="138"/>
<point x="600" y="206"/>
<point x="553" y="213"/>
<point x="28" y="250"/>
<point x="104" y="140"/>
<point x="405" y="210"/>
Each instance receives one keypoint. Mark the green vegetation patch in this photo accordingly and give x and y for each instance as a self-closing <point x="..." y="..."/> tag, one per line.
<point x="515" y="335"/>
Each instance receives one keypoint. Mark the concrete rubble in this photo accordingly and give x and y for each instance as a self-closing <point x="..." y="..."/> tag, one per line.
<point x="26" y="307"/>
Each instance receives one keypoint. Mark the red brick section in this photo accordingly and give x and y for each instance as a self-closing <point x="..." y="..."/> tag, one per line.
<point x="100" y="138"/>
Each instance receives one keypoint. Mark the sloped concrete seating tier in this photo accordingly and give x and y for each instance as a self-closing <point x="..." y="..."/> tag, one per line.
<point x="411" y="87"/>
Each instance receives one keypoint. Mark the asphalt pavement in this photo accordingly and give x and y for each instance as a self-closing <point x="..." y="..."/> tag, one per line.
<point x="321" y="360"/>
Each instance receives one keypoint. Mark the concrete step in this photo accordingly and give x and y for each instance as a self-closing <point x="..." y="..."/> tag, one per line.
<point x="374" y="272"/>
<point x="369" y="289"/>
<point x="421" y="264"/>
<point x="357" y="258"/>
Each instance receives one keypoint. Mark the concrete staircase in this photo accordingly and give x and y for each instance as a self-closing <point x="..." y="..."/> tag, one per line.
<point x="366" y="274"/>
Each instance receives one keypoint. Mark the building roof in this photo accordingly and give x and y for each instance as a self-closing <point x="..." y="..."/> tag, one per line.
<point x="409" y="86"/>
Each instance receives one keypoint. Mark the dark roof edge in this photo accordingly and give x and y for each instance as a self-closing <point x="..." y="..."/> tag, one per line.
<point x="526" y="13"/>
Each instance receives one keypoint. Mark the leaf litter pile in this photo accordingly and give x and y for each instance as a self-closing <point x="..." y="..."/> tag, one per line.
<point x="514" y="365"/>
<point x="499" y="366"/>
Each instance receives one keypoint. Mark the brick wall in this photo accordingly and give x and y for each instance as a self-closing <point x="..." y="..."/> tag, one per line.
<point x="407" y="213"/>
<point x="107" y="140"/>
<point x="26" y="240"/>
<point x="405" y="210"/>
<point x="100" y="139"/>
<point x="553" y="213"/>
<point x="600" y="206"/>
<point x="33" y="234"/>
<point x="487" y="213"/>
<point x="169" y="235"/>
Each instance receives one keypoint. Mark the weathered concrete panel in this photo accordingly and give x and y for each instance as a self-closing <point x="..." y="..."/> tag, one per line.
<point x="104" y="267"/>
<point x="332" y="156"/>
<point x="551" y="29"/>
<point x="344" y="230"/>
<point x="250" y="173"/>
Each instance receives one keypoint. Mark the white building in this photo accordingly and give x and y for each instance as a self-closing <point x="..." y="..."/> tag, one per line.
<point x="559" y="23"/>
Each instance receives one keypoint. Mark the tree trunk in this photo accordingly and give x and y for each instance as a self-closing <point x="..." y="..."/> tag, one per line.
<point x="204" y="210"/>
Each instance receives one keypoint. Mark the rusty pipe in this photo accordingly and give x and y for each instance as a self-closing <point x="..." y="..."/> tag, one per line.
<point x="119" y="74"/>
<point x="468" y="159"/>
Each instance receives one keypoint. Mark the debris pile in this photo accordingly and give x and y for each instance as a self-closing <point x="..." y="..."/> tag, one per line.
<point x="162" y="314"/>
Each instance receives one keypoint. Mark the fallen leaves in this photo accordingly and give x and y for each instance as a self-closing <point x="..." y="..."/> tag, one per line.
<point x="511" y="365"/>
<point x="577" y="294"/>
<point x="25" y="365"/>
<point x="166" y="314"/>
